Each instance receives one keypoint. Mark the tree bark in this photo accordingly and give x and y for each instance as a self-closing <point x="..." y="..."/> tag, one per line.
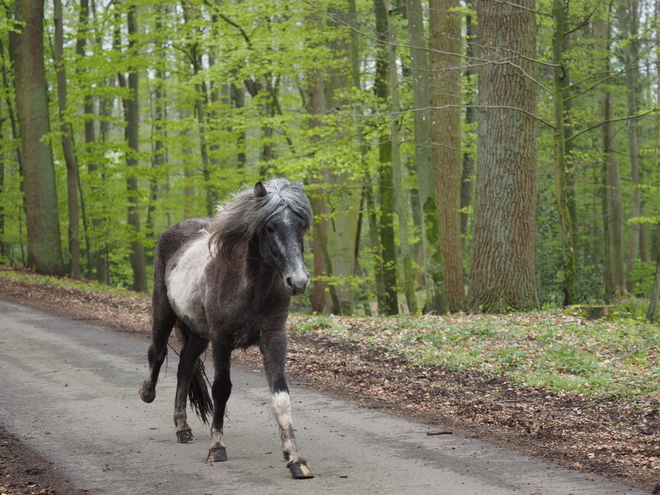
<point x="401" y="194"/>
<point x="131" y="114"/>
<point x="569" y="255"/>
<point x="611" y="191"/>
<point x="432" y="254"/>
<point x="650" y="315"/>
<point x="503" y="259"/>
<point x="467" y="174"/>
<point x="445" y="61"/>
<point x="386" y="185"/>
<point x="67" y="144"/>
<point x="26" y="52"/>
<point x="344" y="194"/>
<point x="629" y="19"/>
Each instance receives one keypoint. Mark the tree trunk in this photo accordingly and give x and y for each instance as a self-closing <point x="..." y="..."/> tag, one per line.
<point x="569" y="254"/>
<point x="26" y="52"/>
<point x="503" y="259"/>
<point x="401" y="194"/>
<point x="344" y="196"/>
<point x="467" y="174"/>
<point x="650" y="315"/>
<point x="445" y="50"/>
<point x="316" y="105"/>
<point x="67" y="144"/>
<point x="131" y="114"/>
<point x="386" y="185"/>
<point x="629" y="19"/>
<point x="432" y="254"/>
<point x="101" y="252"/>
<point x="612" y="202"/>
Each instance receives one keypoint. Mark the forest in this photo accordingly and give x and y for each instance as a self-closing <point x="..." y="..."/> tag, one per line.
<point x="482" y="156"/>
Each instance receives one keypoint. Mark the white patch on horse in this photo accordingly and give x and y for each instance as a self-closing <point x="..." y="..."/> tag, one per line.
<point x="216" y="439"/>
<point x="186" y="284"/>
<point x="281" y="407"/>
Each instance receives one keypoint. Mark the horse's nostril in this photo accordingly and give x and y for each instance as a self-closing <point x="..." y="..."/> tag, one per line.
<point x="288" y="282"/>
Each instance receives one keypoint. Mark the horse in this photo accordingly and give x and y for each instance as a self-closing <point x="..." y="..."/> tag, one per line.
<point x="228" y="281"/>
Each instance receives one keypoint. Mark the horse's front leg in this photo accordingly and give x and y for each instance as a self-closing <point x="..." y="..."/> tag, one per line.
<point x="221" y="391"/>
<point x="164" y="319"/>
<point x="273" y="350"/>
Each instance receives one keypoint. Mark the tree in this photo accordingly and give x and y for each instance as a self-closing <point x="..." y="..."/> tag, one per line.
<point x="503" y="276"/>
<point x="402" y="198"/>
<point x="390" y="305"/>
<point x="445" y="47"/>
<point x="566" y="221"/>
<point x="629" y="20"/>
<point x="131" y="116"/>
<point x="67" y="144"/>
<point x="432" y="255"/>
<point x="27" y="55"/>
<point x="611" y="178"/>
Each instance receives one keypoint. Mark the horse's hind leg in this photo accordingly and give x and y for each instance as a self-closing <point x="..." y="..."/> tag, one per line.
<point x="274" y="355"/>
<point x="193" y="347"/>
<point x="164" y="319"/>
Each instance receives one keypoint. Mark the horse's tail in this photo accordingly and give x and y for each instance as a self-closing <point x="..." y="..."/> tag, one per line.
<point x="198" y="395"/>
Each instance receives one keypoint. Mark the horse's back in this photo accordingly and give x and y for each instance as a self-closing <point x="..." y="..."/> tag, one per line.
<point x="175" y="237"/>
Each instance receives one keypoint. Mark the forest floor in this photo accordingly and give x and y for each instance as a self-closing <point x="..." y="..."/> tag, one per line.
<point x="617" y="439"/>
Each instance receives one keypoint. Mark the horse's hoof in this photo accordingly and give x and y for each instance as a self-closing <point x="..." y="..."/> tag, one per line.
<point x="217" y="455"/>
<point x="147" y="395"/>
<point x="185" y="436"/>
<point x="300" y="471"/>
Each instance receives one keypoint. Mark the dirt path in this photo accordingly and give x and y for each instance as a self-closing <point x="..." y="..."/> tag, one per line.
<point x="612" y="439"/>
<point x="70" y="392"/>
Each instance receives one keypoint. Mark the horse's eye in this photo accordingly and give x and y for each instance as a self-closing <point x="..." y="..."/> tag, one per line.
<point x="270" y="229"/>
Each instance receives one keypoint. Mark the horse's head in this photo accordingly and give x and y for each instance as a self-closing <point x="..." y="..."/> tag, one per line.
<point x="282" y="239"/>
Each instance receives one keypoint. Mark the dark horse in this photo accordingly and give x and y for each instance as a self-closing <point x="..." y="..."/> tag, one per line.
<point x="229" y="281"/>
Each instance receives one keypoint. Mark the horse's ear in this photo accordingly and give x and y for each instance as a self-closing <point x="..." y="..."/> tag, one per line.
<point x="260" y="190"/>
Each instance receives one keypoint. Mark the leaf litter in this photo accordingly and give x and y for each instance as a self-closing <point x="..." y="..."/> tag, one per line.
<point x="578" y="393"/>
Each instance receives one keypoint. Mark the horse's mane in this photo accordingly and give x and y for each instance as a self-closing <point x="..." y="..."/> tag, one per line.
<point x="240" y="219"/>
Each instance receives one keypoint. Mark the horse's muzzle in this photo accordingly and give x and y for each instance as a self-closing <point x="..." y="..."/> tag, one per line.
<point x="297" y="284"/>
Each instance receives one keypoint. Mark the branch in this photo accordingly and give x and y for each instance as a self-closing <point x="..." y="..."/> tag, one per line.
<point x="610" y="76"/>
<point x="231" y="23"/>
<point x="586" y="20"/>
<point x="631" y="117"/>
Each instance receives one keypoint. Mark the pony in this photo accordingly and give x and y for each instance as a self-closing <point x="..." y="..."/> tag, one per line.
<point x="228" y="281"/>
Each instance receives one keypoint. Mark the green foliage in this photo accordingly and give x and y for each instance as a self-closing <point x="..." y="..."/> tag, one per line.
<point x="225" y="98"/>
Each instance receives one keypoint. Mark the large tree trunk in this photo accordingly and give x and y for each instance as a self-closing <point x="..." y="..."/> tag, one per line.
<point x="432" y="255"/>
<point x="445" y="50"/>
<point x="503" y="258"/>
<point x="26" y="52"/>
<point x="67" y="144"/>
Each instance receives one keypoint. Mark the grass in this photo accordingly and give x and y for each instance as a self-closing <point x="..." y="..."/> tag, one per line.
<point x="549" y="349"/>
<point x="553" y="349"/>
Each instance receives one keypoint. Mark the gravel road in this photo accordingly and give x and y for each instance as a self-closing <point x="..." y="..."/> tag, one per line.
<point x="69" y="390"/>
